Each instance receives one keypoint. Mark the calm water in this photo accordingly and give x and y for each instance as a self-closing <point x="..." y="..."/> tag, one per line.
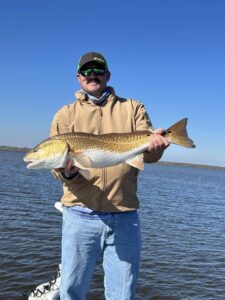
<point x="183" y="226"/>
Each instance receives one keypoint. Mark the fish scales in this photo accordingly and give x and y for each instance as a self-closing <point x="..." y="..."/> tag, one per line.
<point x="119" y="143"/>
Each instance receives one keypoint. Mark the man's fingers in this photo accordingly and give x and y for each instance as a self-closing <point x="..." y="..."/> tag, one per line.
<point x="154" y="143"/>
<point x="157" y="142"/>
<point x="159" y="131"/>
<point x="69" y="168"/>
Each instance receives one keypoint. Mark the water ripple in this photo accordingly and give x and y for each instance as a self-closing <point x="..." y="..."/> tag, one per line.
<point x="182" y="217"/>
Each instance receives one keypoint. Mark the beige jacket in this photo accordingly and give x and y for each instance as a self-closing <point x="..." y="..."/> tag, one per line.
<point x="113" y="188"/>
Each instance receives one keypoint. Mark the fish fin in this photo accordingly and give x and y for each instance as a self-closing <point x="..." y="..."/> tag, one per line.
<point x="85" y="173"/>
<point x="137" y="161"/>
<point x="81" y="160"/>
<point x="177" y="134"/>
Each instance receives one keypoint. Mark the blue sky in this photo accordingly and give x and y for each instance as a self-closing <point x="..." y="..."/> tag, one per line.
<point x="169" y="54"/>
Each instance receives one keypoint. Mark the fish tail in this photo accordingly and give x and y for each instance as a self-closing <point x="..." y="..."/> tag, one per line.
<point x="177" y="134"/>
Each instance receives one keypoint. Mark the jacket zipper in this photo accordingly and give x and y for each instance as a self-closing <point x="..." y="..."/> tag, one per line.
<point x="103" y="170"/>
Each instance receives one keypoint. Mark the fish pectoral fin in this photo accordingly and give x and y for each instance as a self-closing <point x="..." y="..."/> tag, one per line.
<point x="81" y="160"/>
<point x="137" y="162"/>
<point x="85" y="173"/>
<point x="83" y="163"/>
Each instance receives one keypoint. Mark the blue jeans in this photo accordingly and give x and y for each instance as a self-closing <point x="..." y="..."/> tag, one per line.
<point x="88" y="235"/>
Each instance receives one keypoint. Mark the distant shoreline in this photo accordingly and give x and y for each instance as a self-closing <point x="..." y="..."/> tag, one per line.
<point x="10" y="148"/>
<point x="167" y="163"/>
<point x="24" y="149"/>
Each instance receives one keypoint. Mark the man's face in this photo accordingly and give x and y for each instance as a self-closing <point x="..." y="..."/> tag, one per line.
<point x="93" y="84"/>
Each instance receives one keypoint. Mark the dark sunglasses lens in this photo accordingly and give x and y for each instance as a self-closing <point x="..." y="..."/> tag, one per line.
<point x="86" y="72"/>
<point x="97" y="72"/>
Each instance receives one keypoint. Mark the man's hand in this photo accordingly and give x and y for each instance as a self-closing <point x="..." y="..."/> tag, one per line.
<point x="70" y="168"/>
<point x="157" y="142"/>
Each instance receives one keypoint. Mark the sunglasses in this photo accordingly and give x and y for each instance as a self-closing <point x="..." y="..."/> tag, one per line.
<point x="95" y="71"/>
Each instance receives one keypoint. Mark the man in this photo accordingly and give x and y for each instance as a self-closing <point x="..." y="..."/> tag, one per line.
<point x="100" y="216"/>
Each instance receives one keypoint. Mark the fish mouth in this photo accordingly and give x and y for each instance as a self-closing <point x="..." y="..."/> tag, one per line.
<point x="35" y="165"/>
<point x="57" y="161"/>
<point x="30" y="162"/>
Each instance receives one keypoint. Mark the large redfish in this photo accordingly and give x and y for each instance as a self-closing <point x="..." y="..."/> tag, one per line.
<point x="99" y="151"/>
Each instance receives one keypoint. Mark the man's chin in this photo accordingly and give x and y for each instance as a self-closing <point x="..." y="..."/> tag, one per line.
<point x="94" y="86"/>
<point x="93" y="91"/>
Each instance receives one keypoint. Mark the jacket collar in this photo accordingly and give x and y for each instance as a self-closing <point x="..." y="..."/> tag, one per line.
<point x="83" y="97"/>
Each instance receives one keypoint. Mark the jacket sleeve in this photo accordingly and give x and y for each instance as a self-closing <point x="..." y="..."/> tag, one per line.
<point x="143" y="122"/>
<point x="60" y="122"/>
<point x="60" y="125"/>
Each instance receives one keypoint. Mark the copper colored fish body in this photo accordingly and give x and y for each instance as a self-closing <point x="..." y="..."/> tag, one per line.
<point x="99" y="151"/>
